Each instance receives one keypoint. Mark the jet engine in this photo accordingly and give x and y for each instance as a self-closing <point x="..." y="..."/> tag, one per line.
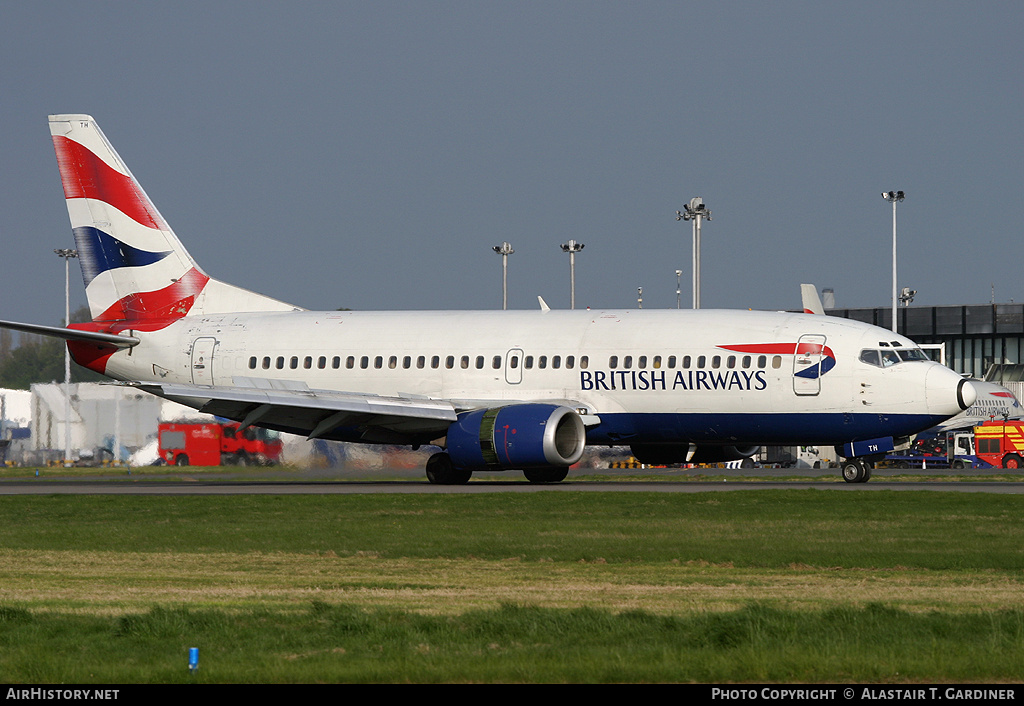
<point x="518" y="436"/>
<point x="664" y="454"/>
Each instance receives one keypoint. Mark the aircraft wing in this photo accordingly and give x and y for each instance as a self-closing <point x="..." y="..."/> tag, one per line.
<point x="294" y="407"/>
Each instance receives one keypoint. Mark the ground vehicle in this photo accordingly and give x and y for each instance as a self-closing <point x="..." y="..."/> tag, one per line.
<point x="1000" y="444"/>
<point x="990" y="444"/>
<point x="216" y="444"/>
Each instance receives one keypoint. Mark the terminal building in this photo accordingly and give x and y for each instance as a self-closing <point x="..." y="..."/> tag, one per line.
<point x="984" y="341"/>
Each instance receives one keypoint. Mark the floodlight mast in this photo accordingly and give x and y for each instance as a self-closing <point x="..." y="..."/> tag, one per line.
<point x="572" y="247"/>
<point x="695" y="211"/>
<point x="504" y="250"/>
<point x="67" y="254"/>
<point x="894" y="197"/>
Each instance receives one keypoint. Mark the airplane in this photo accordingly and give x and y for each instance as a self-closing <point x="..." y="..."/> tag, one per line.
<point x="993" y="402"/>
<point x="493" y="390"/>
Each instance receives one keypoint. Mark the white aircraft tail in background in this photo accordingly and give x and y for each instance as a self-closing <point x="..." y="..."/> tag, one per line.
<point x="811" y="300"/>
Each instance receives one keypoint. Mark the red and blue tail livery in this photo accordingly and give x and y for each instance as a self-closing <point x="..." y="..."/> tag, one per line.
<point x="137" y="273"/>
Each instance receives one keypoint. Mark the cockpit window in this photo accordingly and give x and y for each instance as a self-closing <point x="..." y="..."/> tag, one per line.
<point x="912" y="354"/>
<point x="889" y="358"/>
<point x="870" y="357"/>
<point x="886" y="357"/>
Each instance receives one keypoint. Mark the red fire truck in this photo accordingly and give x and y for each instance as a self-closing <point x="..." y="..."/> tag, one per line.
<point x="216" y="444"/>
<point x="1000" y="444"/>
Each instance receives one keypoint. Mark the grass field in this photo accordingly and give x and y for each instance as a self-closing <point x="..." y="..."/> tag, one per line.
<point x="792" y="585"/>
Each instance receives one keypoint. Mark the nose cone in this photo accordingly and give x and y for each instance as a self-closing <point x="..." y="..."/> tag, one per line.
<point x="948" y="393"/>
<point x="966" y="393"/>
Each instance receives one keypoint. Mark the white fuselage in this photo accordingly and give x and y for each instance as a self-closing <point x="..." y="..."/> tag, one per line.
<point x="657" y="376"/>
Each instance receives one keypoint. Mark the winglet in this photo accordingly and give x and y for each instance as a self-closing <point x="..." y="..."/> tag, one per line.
<point x="811" y="301"/>
<point x="543" y="304"/>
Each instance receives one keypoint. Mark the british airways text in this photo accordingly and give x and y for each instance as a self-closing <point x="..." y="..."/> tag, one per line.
<point x="666" y="380"/>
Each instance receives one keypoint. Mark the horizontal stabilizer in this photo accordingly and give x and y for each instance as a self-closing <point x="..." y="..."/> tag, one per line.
<point x="71" y="334"/>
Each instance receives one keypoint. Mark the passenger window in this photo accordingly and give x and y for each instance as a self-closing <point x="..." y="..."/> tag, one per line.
<point x="701" y="360"/>
<point x="542" y="362"/>
<point x="584" y="361"/>
<point x="671" y="362"/>
<point x="364" y="362"/>
<point x="746" y="361"/>
<point x="307" y="362"/>
<point x="464" y="362"/>
<point x="435" y="361"/>
<point x="613" y="362"/>
<point x="657" y="362"/>
<point x="378" y="362"/>
<point x="407" y="362"/>
<point x="421" y="361"/>
<point x="777" y="361"/>
<point x="627" y="362"/>
<point x="762" y="361"/>
<point x="716" y="361"/>
<point x="449" y="362"/>
<point x="570" y="362"/>
<point x="266" y="362"/>
<point x="479" y="362"/>
<point x="280" y="362"/>
<point x="513" y="362"/>
<point x="252" y="363"/>
<point x="496" y="362"/>
<point x="730" y="362"/>
<point x="321" y="362"/>
<point x="393" y="362"/>
<point x="686" y="362"/>
<point x="556" y="361"/>
<point x="641" y="362"/>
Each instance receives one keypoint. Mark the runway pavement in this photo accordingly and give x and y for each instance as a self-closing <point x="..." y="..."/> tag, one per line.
<point x="413" y="480"/>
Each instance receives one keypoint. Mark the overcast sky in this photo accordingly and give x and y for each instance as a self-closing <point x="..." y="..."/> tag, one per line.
<point x="369" y="154"/>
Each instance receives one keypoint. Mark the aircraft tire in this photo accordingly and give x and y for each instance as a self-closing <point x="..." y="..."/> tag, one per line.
<point x="855" y="471"/>
<point x="546" y="475"/>
<point x="440" y="471"/>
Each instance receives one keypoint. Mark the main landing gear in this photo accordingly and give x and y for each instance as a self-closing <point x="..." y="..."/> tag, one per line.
<point x="856" y="470"/>
<point x="441" y="471"/>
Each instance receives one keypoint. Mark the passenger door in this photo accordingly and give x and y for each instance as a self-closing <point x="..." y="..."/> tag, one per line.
<point x="810" y="350"/>
<point x="202" y="360"/>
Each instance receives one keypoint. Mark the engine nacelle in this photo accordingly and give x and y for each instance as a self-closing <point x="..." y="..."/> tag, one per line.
<point x="664" y="454"/>
<point x="517" y="437"/>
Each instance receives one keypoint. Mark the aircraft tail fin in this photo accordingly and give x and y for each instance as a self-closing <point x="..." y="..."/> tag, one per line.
<point x="134" y="267"/>
<point x="811" y="300"/>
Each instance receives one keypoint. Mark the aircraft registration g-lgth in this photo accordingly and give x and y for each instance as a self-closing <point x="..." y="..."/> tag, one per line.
<point x="493" y="390"/>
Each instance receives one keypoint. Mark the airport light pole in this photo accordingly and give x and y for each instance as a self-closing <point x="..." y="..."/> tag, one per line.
<point x="695" y="211"/>
<point x="679" y="273"/>
<point x="893" y="197"/>
<point x="67" y="254"/>
<point x="504" y="250"/>
<point x="572" y="247"/>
